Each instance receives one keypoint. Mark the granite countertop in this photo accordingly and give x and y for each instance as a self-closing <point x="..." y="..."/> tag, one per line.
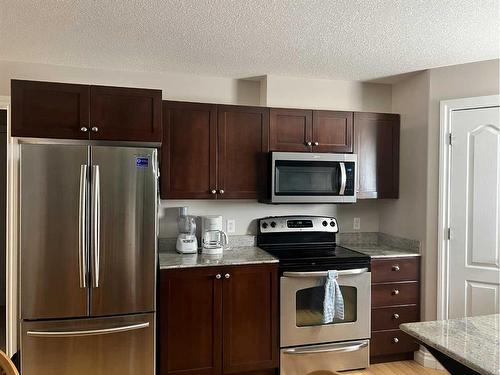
<point x="380" y="245"/>
<point x="231" y="257"/>
<point x="382" y="251"/>
<point x="474" y="341"/>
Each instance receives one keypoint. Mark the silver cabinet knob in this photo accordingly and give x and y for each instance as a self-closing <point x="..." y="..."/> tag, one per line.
<point x="227" y="276"/>
<point x="95" y="129"/>
<point x="395" y="268"/>
<point x="213" y="191"/>
<point x="395" y="316"/>
<point x="395" y="292"/>
<point x="218" y="276"/>
<point x="316" y="143"/>
<point x="221" y="191"/>
<point x="84" y="129"/>
<point x="395" y="340"/>
<point x="308" y="143"/>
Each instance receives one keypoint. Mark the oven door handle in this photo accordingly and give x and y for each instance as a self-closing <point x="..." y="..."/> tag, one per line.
<point x="356" y="271"/>
<point x="327" y="349"/>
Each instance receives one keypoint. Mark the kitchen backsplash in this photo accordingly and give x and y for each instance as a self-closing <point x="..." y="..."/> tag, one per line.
<point x="246" y="213"/>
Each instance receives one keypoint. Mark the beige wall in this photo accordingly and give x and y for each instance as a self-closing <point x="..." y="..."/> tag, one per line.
<point x="266" y="91"/>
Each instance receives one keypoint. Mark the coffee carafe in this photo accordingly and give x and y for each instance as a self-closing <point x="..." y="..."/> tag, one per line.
<point x="213" y="238"/>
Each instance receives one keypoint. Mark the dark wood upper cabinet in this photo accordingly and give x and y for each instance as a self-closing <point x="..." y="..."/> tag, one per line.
<point x="243" y="143"/>
<point x="332" y="131"/>
<point x="377" y="146"/>
<point x="125" y="114"/>
<point x="50" y="110"/>
<point x="250" y="319"/>
<point x="188" y="154"/>
<point x="290" y="129"/>
<point x="190" y="322"/>
<point x="218" y="320"/>
<point x="60" y="110"/>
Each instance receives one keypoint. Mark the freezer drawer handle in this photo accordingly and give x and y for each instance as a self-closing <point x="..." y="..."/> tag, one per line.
<point x="82" y="227"/>
<point x="92" y="332"/>
<point x="356" y="271"/>
<point x="326" y="349"/>
<point x="96" y="225"/>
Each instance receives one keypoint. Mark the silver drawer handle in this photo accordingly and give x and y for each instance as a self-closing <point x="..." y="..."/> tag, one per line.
<point x="327" y="349"/>
<point x="395" y="316"/>
<point x="395" y="292"/>
<point x="356" y="271"/>
<point x="395" y="340"/>
<point x="95" y="129"/>
<point x="218" y="276"/>
<point x="227" y="276"/>
<point x="308" y="143"/>
<point x="395" y="268"/>
<point x="316" y="143"/>
<point x="92" y="332"/>
<point x="84" y="129"/>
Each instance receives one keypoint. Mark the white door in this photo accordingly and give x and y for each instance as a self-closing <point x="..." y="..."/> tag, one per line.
<point x="474" y="265"/>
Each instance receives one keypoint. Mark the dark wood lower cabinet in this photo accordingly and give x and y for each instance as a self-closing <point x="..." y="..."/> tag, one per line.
<point x="218" y="320"/>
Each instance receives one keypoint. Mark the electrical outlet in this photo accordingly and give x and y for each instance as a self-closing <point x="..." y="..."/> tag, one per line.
<point x="357" y="223"/>
<point x="231" y="226"/>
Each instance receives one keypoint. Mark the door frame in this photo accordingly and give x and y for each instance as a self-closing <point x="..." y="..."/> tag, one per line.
<point x="446" y="109"/>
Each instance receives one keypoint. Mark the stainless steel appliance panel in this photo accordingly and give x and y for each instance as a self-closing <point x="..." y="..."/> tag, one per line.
<point x="123" y="230"/>
<point x="53" y="239"/>
<point x="98" y="346"/>
<point x="301" y="322"/>
<point x="325" y="358"/>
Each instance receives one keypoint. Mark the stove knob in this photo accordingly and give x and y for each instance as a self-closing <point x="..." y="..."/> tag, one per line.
<point x="273" y="224"/>
<point x="324" y="223"/>
<point x="332" y="224"/>
<point x="264" y="225"/>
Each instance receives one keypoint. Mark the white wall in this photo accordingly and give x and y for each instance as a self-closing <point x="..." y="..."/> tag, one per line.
<point x="271" y="90"/>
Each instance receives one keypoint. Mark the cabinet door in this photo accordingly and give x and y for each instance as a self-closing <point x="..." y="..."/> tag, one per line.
<point x="243" y="134"/>
<point x="125" y="114"/>
<point x="250" y="311"/>
<point x="290" y="129"/>
<point x="49" y="110"/>
<point x="332" y="131"/>
<point x="190" y="319"/>
<point x="188" y="156"/>
<point x="377" y="146"/>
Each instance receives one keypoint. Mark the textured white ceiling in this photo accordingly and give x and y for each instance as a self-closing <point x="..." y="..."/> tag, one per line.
<point x="343" y="39"/>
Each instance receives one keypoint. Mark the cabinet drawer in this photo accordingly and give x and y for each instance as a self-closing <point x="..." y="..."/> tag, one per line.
<point x="392" y="317"/>
<point x="391" y="294"/>
<point x="391" y="342"/>
<point x="396" y="269"/>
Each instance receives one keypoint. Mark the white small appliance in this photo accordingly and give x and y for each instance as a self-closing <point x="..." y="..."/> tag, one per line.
<point x="186" y="240"/>
<point x="213" y="238"/>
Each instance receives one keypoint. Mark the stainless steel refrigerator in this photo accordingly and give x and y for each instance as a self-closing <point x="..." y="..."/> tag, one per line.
<point x="88" y="230"/>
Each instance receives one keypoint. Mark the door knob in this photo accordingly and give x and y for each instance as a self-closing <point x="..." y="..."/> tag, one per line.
<point x="395" y="340"/>
<point x="316" y="143"/>
<point x="84" y="129"/>
<point x="227" y="276"/>
<point x="395" y="292"/>
<point x="95" y="129"/>
<point x="214" y="191"/>
<point x="308" y="143"/>
<point x="218" y="276"/>
<point x="395" y="316"/>
<point x="221" y="191"/>
<point x="395" y="268"/>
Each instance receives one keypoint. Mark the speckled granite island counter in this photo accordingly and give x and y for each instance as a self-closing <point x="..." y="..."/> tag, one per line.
<point x="170" y="259"/>
<point x="470" y="342"/>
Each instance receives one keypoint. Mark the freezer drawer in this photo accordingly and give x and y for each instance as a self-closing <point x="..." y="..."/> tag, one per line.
<point x="325" y="358"/>
<point x="99" y="346"/>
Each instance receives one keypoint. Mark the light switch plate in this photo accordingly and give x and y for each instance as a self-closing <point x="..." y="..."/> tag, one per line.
<point x="231" y="226"/>
<point x="356" y="224"/>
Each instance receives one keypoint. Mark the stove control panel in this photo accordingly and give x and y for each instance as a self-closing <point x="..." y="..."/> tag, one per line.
<point x="277" y="224"/>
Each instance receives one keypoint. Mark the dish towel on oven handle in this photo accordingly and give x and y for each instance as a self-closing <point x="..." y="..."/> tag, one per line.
<point x="333" y="305"/>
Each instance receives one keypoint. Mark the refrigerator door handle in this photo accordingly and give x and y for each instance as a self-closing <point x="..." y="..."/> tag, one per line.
<point x="96" y="225"/>
<point x="82" y="226"/>
<point x="91" y="332"/>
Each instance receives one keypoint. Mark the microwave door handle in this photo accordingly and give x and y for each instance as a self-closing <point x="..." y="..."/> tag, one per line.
<point x="356" y="271"/>
<point x="343" y="178"/>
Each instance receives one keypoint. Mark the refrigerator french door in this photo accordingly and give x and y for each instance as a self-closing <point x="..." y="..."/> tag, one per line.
<point x="88" y="258"/>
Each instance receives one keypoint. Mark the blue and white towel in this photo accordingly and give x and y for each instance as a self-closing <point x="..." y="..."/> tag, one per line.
<point x="333" y="305"/>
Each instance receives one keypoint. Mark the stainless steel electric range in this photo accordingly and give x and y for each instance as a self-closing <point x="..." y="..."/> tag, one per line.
<point x="306" y="248"/>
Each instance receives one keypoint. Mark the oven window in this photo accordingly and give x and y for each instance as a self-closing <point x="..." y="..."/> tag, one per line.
<point x="306" y="178"/>
<point x="309" y="305"/>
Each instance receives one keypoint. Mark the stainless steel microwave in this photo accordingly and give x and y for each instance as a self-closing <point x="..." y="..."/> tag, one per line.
<point x="300" y="177"/>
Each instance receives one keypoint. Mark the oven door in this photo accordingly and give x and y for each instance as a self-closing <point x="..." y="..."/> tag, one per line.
<point x="302" y="296"/>
<point x="309" y="178"/>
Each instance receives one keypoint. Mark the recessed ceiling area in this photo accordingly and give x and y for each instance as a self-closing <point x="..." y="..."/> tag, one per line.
<point x="345" y="39"/>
